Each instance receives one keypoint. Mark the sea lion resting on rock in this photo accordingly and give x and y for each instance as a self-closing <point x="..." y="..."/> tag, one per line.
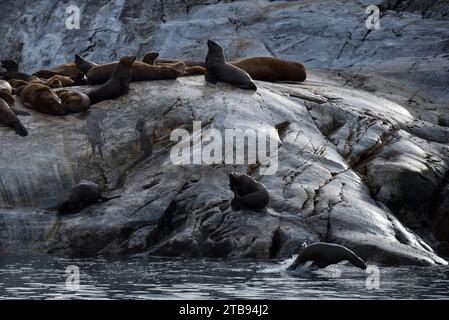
<point x="82" y="195"/>
<point x="219" y="70"/>
<point x="248" y="193"/>
<point x="12" y="71"/>
<point x="191" y="67"/>
<point x="272" y="69"/>
<point x="323" y="254"/>
<point x="9" y="118"/>
<point x="75" y="101"/>
<point x="69" y="70"/>
<point x="41" y="98"/>
<point x="63" y="80"/>
<point x="140" y="71"/>
<point x="118" y="83"/>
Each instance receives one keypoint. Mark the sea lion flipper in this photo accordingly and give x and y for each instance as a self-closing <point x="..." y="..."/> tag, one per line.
<point x="20" y="129"/>
<point x="210" y="79"/>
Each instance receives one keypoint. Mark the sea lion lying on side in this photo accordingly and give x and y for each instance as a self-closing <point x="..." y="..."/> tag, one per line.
<point x="272" y="69"/>
<point x="69" y="70"/>
<point x="219" y="70"/>
<point x="248" y="193"/>
<point x="190" y="67"/>
<point x="118" y="83"/>
<point x="76" y="102"/>
<point x="9" y="118"/>
<point x="41" y="98"/>
<point x="324" y="254"/>
<point x="63" y="81"/>
<point x="82" y="195"/>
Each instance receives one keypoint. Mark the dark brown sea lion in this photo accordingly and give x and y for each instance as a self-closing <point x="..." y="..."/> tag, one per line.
<point x="272" y="69"/>
<point x="150" y="58"/>
<point x="9" y="118"/>
<point x="219" y="70"/>
<point x="84" y="65"/>
<point x="248" y="193"/>
<point x="12" y="71"/>
<point x="82" y="195"/>
<point x="69" y="70"/>
<point x="324" y="254"/>
<point x="41" y="98"/>
<point x="118" y="83"/>
<point x="139" y="72"/>
<point x="75" y="101"/>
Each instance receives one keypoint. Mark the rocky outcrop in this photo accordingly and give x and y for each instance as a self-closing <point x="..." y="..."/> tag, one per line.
<point x="347" y="159"/>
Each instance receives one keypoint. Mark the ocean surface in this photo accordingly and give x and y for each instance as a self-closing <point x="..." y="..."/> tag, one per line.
<point x="45" y="277"/>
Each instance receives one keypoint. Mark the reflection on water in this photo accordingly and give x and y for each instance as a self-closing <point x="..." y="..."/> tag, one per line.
<point x="163" y="278"/>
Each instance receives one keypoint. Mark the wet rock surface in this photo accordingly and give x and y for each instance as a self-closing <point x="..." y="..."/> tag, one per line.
<point x="346" y="159"/>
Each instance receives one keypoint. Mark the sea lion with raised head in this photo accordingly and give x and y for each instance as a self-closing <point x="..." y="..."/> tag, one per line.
<point x="82" y="195"/>
<point x="248" y="193"/>
<point x="83" y="64"/>
<point x="188" y="70"/>
<point x="118" y="83"/>
<point x="76" y="102"/>
<point x="9" y="118"/>
<point x="272" y="69"/>
<point x="323" y="254"/>
<point x="41" y="98"/>
<point x="217" y="69"/>
<point x="12" y="71"/>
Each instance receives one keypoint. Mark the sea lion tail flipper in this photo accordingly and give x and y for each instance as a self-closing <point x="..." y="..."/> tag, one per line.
<point x="355" y="260"/>
<point x="20" y="129"/>
<point x="105" y="199"/>
<point x="210" y="79"/>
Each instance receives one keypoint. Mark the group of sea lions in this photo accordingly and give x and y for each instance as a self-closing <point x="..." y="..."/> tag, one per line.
<point x="36" y="91"/>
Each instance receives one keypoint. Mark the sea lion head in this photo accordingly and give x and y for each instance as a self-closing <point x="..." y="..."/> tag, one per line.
<point x="10" y="65"/>
<point x="127" y="61"/>
<point x="235" y="181"/>
<point x="150" y="57"/>
<point x="54" y="83"/>
<point x="52" y="101"/>
<point x="216" y="52"/>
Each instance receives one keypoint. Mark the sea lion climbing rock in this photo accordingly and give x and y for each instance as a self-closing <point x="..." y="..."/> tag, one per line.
<point x="9" y="118"/>
<point x="82" y="195"/>
<point x="272" y="69"/>
<point x="41" y="98"/>
<point x="118" y="83"/>
<point x="324" y="254"/>
<point x="219" y="70"/>
<point x="248" y="193"/>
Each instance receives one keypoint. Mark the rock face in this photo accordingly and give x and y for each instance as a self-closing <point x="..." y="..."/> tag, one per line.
<point x="345" y="157"/>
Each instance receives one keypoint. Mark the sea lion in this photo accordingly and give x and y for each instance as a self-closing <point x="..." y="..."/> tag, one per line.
<point x="12" y="71"/>
<point x="75" y="101"/>
<point x="150" y="58"/>
<point x="248" y="193"/>
<point x="69" y="70"/>
<point x="219" y="70"/>
<point x="41" y="98"/>
<point x="139" y="72"/>
<point x="82" y="195"/>
<point x="83" y="65"/>
<point x="323" y="254"/>
<point x="63" y="80"/>
<point x="9" y="118"/>
<point x="118" y="83"/>
<point x="272" y="69"/>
